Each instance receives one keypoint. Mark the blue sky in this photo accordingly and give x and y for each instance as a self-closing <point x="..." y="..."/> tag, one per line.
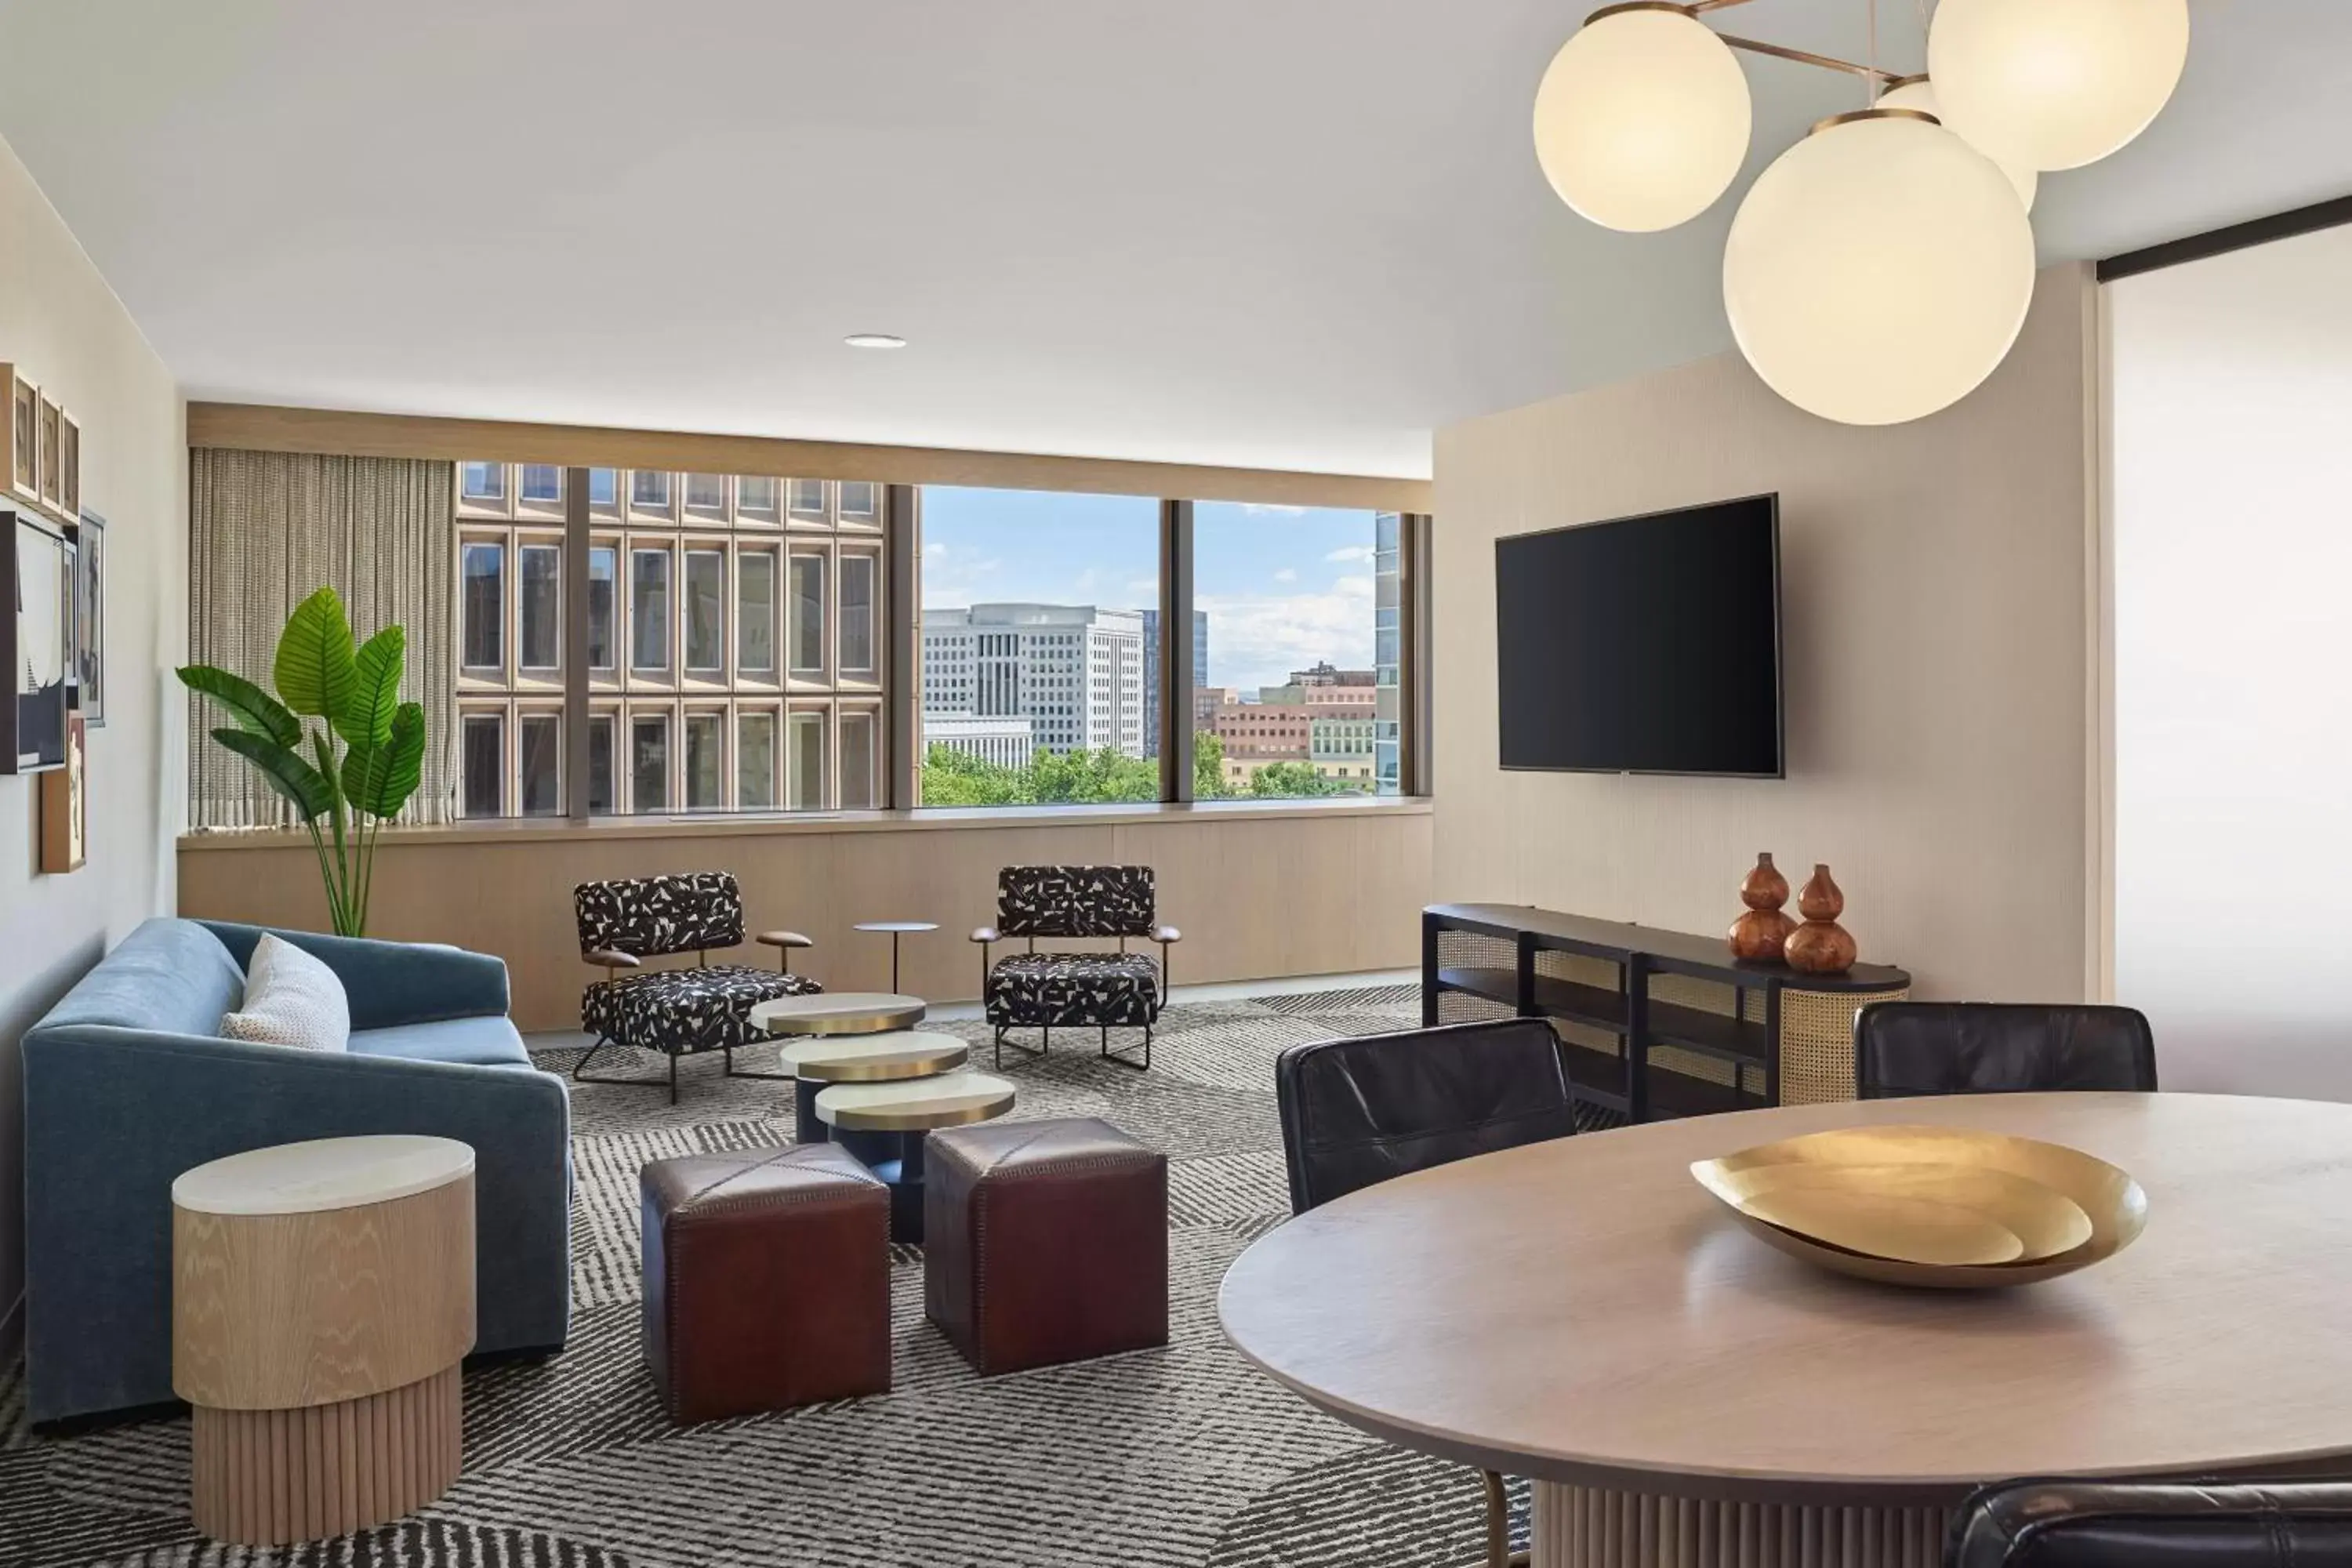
<point x="1284" y="586"/>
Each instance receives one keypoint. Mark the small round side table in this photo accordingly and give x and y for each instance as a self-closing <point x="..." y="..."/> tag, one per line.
<point x="323" y="1299"/>
<point x="883" y="1124"/>
<point x="897" y="928"/>
<point x="821" y="1060"/>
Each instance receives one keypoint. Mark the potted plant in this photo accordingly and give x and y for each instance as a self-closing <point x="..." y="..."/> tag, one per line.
<point x="344" y="794"/>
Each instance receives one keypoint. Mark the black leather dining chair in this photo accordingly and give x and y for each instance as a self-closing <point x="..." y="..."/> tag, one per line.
<point x="2102" y="1524"/>
<point x="1903" y="1049"/>
<point x="1359" y="1111"/>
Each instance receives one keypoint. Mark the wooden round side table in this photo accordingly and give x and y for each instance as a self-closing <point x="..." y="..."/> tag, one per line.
<point x="322" y="1297"/>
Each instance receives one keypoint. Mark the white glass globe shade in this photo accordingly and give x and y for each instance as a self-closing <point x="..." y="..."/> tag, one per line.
<point x="1642" y="118"/>
<point x="1879" y="270"/>
<point x="2055" y="84"/>
<point x="1921" y="96"/>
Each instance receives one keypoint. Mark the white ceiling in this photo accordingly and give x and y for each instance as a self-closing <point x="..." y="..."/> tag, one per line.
<point x="1285" y="233"/>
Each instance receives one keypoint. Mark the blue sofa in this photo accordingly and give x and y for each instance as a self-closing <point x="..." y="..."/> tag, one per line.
<point x="126" y="1084"/>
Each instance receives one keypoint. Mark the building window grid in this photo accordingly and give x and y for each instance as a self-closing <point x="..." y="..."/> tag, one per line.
<point x="659" y="700"/>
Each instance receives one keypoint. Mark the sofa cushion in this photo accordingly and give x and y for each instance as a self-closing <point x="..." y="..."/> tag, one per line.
<point x="171" y="976"/>
<point x="477" y="1042"/>
<point x="290" y="999"/>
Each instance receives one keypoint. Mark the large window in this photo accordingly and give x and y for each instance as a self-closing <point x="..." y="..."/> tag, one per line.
<point x="1039" y="657"/>
<point x="1293" y="675"/>
<point x="726" y="625"/>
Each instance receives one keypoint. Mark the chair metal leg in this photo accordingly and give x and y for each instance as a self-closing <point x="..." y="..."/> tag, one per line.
<point x="1110" y="1056"/>
<point x="1020" y="1049"/>
<point x="734" y="1071"/>
<point x="602" y="1041"/>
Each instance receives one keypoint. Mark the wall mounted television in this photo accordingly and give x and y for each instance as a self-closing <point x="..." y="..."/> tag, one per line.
<point x="1646" y="644"/>
<point x="35" y="630"/>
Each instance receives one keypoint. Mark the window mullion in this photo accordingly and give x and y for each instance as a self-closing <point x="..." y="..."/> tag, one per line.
<point x="575" y="644"/>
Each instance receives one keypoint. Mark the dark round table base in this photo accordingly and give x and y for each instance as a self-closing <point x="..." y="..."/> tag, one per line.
<point x="897" y="1158"/>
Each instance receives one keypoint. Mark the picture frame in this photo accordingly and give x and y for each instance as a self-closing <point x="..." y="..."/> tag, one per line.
<point x="88" y="664"/>
<point x="51" y="456"/>
<point x="35" y="619"/>
<point x="65" y="805"/>
<point x="20" y="473"/>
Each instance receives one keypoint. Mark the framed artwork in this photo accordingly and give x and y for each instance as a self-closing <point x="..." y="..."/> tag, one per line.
<point x="52" y="458"/>
<point x="65" y="806"/>
<point x="36" y="617"/>
<point x="89" y="661"/>
<point x="68" y="465"/>
<point x="24" y="436"/>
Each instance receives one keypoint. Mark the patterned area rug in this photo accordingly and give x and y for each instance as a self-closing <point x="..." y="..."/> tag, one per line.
<point x="1184" y="1456"/>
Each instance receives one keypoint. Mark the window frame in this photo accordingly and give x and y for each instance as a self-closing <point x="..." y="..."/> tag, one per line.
<point x="493" y="675"/>
<point x="536" y="676"/>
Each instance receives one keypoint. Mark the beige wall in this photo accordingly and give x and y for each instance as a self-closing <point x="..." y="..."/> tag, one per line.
<point x="1936" y="640"/>
<point x="63" y="328"/>
<point x="1258" y="892"/>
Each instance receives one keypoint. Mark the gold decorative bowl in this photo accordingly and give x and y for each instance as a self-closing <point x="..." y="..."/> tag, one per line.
<point x="1940" y="1206"/>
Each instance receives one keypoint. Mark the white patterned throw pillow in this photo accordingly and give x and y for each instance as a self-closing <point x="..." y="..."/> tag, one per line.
<point x="290" y="999"/>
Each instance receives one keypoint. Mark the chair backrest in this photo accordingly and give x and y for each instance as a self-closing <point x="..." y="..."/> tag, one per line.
<point x="1906" y="1049"/>
<point x="648" y="916"/>
<point x="1361" y="1111"/>
<point x="2153" y="1524"/>
<point x="1074" y="900"/>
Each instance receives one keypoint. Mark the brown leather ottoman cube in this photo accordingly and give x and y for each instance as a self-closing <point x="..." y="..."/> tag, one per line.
<point x="1044" y="1242"/>
<point x="767" y="1279"/>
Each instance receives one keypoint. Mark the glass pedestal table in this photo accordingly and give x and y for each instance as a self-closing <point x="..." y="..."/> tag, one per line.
<point x="888" y="1085"/>
<point x="1683" y="1395"/>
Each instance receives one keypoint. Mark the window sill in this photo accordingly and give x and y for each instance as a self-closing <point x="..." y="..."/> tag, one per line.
<point x="738" y="825"/>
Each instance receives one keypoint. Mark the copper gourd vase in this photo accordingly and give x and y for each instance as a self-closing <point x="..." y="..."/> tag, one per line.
<point x="1821" y="945"/>
<point x="1760" y="932"/>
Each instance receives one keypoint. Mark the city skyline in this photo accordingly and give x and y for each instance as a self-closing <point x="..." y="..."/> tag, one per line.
<point x="1285" y="587"/>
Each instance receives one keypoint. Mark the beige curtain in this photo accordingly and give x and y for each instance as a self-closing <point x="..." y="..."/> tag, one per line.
<point x="268" y="529"/>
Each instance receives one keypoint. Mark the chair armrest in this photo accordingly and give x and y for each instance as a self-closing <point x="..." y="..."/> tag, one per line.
<point x="1166" y="934"/>
<point x="985" y="934"/>
<point x="611" y="958"/>
<point x="784" y="939"/>
<point x="389" y="984"/>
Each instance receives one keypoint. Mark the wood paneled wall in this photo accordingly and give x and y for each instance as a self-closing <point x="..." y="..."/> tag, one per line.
<point x="1257" y="894"/>
<point x="1937" y="584"/>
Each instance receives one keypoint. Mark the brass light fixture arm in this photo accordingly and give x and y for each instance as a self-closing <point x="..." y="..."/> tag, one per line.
<point x="1884" y="77"/>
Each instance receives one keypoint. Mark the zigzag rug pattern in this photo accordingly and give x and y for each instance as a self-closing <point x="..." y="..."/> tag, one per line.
<point x="1181" y="1458"/>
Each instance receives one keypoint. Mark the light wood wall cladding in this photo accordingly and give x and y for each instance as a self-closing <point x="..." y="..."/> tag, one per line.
<point x="1938" y="635"/>
<point x="344" y="433"/>
<point x="286" y="1311"/>
<point x="1314" y="892"/>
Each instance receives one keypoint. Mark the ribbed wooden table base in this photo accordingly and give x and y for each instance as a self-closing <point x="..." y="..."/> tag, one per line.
<point x="1592" y="1527"/>
<point x="264" y="1477"/>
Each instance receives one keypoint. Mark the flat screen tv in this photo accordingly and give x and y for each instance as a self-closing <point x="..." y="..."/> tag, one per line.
<point x="1648" y="645"/>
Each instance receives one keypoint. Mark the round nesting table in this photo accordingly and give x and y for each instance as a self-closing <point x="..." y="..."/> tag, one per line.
<point x="322" y="1297"/>
<point x="822" y="1059"/>
<point x="897" y="928"/>
<point x="1684" y="1396"/>
<point x="838" y="1013"/>
<point x="883" y="1124"/>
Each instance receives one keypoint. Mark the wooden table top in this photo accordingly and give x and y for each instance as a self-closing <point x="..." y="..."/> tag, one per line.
<point x="838" y="1013"/>
<point x="323" y="1174"/>
<point x="1582" y="1312"/>
<point x="915" y="1105"/>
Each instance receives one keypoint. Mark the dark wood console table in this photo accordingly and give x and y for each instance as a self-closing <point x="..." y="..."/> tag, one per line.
<point x="1653" y="1024"/>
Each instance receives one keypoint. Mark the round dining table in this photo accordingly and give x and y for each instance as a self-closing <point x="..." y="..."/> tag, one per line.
<point x="1582" y="1312"/>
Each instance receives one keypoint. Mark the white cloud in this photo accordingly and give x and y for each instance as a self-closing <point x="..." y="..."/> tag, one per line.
<point x="1285" y="575"/>
<point x="1362" y="553"/>
<point x="1258" y="509"/>
<point x="935" y="552"/>
<point x="1257" y="639"/>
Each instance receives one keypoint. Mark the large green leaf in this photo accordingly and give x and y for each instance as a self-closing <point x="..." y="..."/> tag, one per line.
<point x="375" y="689"/>
<point x="378" y="779"/>
<point x="255" y="710"/>
<point x="283" y="769"/>
<point x="315" y="672"/>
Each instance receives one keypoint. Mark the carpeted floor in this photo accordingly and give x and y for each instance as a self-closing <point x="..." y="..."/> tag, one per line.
<point x="1182" y="1458"/>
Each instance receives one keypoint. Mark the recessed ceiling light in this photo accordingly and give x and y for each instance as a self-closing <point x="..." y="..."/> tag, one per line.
<point x="874" y="341"/>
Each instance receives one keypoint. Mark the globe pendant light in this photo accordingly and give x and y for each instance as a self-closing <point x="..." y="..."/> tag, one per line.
<point x="1643" y="118"/>
<point x="2055" y="84"/>
<point x="1913" y="92"/>
<point x="1879" y="271"/>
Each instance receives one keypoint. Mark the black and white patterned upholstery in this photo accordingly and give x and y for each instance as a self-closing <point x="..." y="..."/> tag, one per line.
<point x="649" y="916"/>
<point x="1117" y="990"/>
<point x="1074" y="900"/>
<point x="677" y="1012"/>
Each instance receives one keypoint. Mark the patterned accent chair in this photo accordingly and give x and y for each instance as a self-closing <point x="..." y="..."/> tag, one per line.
<point x="1103" y="990"/>
<point x="677" y="1012"/>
